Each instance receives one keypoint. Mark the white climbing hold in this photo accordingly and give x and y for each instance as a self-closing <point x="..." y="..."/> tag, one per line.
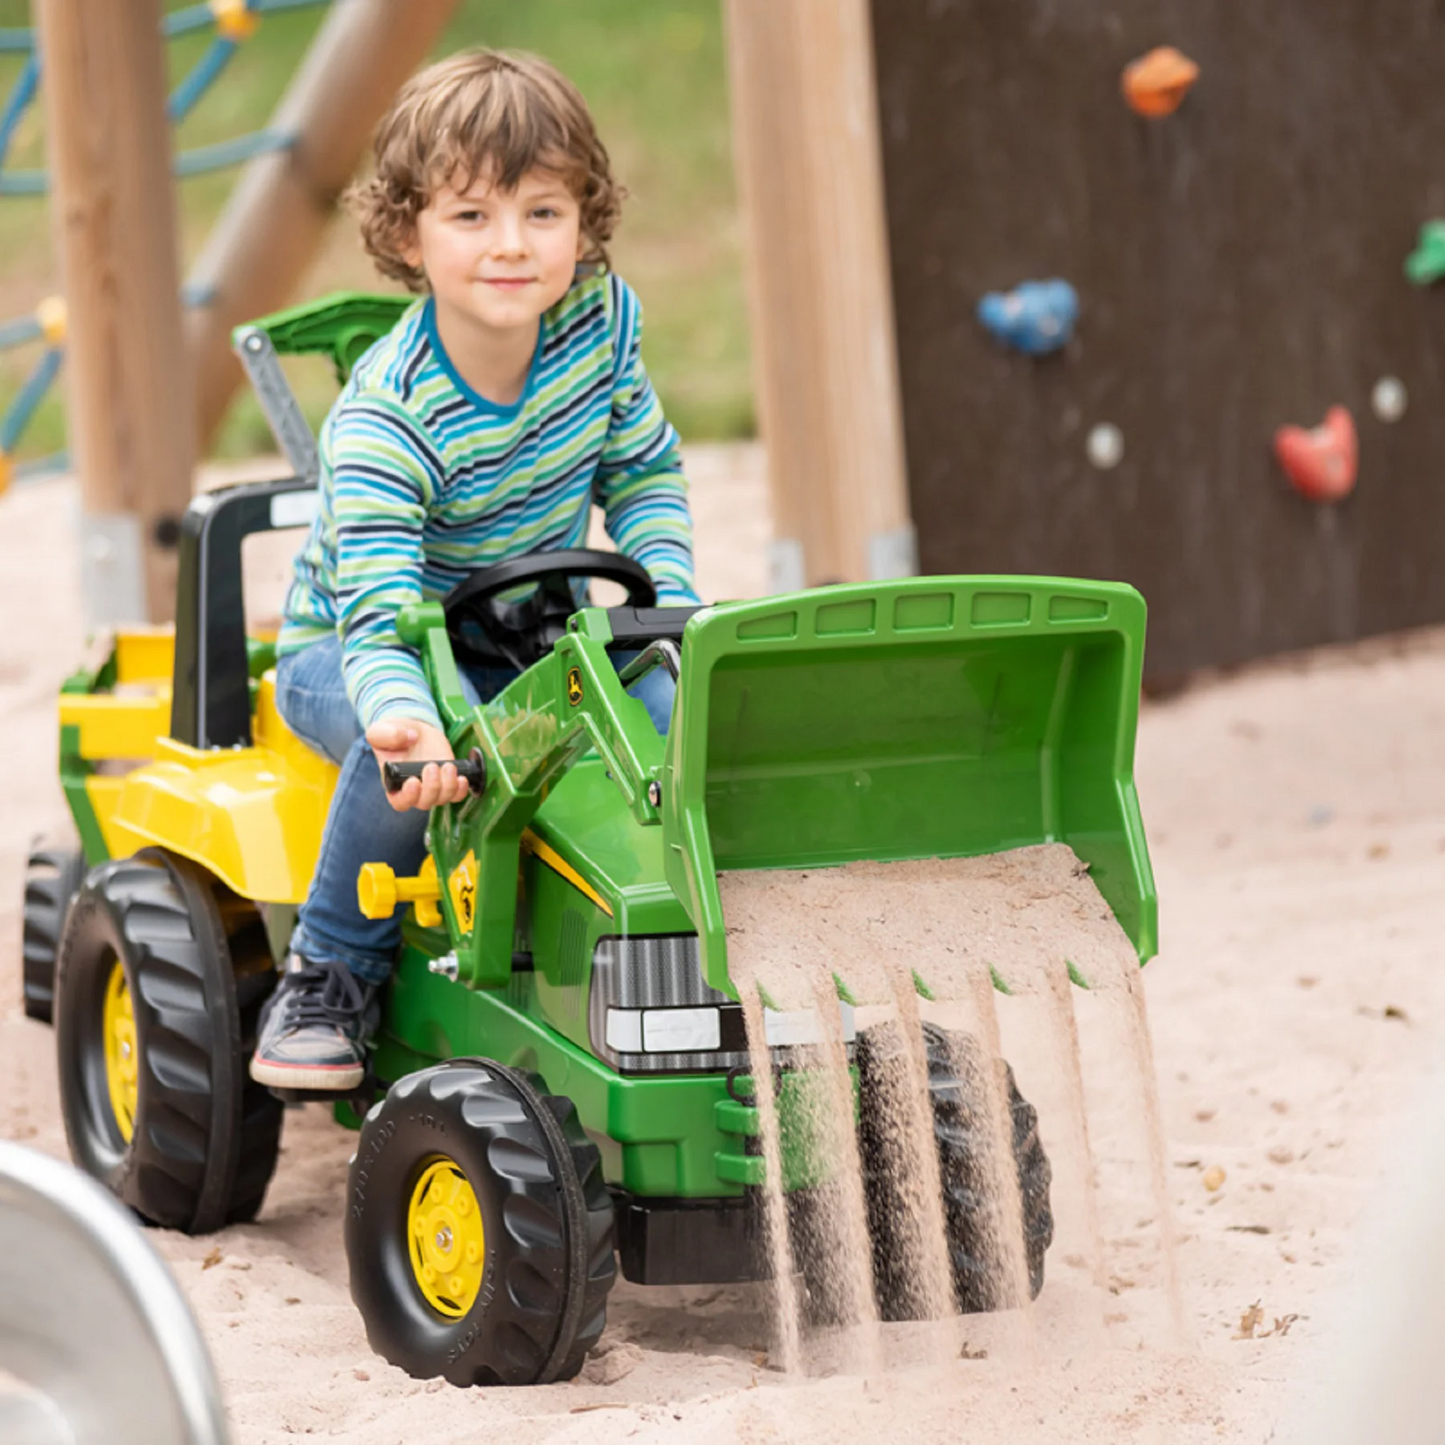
<point x="1105" y="446"/>
<point x="1389" y="398"/>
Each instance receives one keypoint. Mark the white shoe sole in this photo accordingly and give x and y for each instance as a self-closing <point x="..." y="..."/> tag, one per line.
<point x="336" y="1077"/>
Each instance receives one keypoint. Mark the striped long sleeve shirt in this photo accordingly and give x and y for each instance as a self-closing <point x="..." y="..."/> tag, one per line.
<point x="423" y="481"/>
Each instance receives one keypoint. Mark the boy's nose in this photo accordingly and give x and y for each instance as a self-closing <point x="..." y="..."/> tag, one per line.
<point x="509" y="238"/>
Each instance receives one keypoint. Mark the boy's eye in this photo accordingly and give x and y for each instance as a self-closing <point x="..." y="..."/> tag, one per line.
<point x="545" y="213"/>
<point x="468" y="215"/>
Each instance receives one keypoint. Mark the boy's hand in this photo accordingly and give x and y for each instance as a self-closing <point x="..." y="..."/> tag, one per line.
<point x="405" y="740"/>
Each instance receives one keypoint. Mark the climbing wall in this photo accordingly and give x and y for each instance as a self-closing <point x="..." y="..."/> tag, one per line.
<point x="1239" y="266"/>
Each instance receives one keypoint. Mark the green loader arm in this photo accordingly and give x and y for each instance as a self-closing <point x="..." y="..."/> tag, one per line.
<point x="564" y="707"/>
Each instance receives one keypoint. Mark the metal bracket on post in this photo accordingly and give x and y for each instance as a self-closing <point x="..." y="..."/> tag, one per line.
<point x="278" y="402"/>
<point x="893" y="554"/>
<point x="786" y="569"/>
<point x="112" y="569"/>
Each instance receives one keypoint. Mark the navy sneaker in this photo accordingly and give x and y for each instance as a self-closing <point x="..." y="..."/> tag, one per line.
<point x="314" y="1028"/>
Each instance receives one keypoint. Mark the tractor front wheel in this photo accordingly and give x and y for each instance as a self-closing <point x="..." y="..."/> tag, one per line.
<point x="957" y="1094"/>
<point x="155" y="1015"/>
<point x="479" y="1231"/>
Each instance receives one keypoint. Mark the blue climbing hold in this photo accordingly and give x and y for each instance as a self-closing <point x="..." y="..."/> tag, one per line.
<point x="1036" y="317"/>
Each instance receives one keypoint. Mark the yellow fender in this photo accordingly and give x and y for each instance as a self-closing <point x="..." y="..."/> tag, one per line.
<point x="251" y="816"/>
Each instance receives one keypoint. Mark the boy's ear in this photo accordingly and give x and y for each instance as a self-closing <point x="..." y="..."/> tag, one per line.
<point x="408" y="247"/>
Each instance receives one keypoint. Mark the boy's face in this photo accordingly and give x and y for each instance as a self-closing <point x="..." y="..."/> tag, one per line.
<point x="499" y="258"/>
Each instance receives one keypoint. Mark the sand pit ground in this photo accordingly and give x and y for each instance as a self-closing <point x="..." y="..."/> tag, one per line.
<point x="1296" y="818"/>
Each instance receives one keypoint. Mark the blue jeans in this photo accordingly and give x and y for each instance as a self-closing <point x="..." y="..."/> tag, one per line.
<point x="362" y="827"/>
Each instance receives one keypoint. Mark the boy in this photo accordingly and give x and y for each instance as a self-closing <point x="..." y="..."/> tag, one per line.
<point x="482" y="427"/>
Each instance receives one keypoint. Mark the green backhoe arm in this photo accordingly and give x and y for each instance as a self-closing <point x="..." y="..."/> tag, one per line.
<point x="342" y="327"/>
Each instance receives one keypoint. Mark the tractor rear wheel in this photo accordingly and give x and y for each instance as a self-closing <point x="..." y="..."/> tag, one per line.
<point x="155" y="1018"/>
<point x="479" y="1231"/>
<point x="53" y="875"/>
<point x="956" y="1092"/>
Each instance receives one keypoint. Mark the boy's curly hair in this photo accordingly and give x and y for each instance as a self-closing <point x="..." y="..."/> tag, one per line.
<point x="503" y="112"/>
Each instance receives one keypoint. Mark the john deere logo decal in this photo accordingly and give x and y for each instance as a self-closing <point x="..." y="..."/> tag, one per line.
<point x="574" y="685"/>
<point x="462" y="885"/>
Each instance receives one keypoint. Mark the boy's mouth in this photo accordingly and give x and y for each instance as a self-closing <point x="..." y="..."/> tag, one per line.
<point x="508" y="283"/>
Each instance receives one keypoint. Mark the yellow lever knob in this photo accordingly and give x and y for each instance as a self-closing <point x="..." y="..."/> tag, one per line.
<point x="376" y="890"/>
<point x="379" y="892"/>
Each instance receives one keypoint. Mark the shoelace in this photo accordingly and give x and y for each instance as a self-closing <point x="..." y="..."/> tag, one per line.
<point x="324" y="993"/>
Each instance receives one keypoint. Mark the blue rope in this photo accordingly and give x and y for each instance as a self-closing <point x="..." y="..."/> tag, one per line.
<point x="183" y="99"/>
<point x="15" y="106"/>
<point x="193" y="87"/>
<point x="189" y="163"/>
<point x="178" y="22"/>
<point x="183" y="22"/>
<point x="231" y="152"/>
<point x="22" y="183"/>
<point x="18" y="332"/>
<point x="22" y="409"/>
<point x="198" y="17"/>
<point x="24" y="329"/>
<point x="28" y="398"/>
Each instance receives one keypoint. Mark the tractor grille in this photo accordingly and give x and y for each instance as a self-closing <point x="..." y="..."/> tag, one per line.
<point x="650" y="1011"/>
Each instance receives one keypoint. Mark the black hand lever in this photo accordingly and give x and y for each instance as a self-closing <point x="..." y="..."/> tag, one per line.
<point x="472" y="769"/>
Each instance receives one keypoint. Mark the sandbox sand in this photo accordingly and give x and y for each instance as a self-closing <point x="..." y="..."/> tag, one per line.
<point x="993" y="943"/>
<point x="1296" y="817"/>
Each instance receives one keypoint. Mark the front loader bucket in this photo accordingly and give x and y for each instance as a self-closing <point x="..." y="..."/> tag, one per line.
<point x="933" y="717"/>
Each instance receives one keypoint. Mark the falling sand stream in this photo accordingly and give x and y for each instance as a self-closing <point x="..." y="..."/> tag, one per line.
<point x="924" y="951"/>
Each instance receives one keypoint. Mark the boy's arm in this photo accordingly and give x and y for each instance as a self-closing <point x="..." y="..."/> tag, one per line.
<point x="639" y="483"/>
<point x="384" y="476"/>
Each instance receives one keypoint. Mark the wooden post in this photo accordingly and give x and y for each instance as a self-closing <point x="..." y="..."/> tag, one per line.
<point x="277" y="216"/>
<point x="132" y="434"/>
<point x="805" y="120"/>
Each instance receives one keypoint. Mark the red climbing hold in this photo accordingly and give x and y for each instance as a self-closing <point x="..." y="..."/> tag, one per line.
<point x="1155" y="85"/>
<point x="1324" y="462"/>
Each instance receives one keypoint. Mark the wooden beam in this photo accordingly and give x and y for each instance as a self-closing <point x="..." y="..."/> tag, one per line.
<point x="278" y="214"/>
<point x="130" y="412"/>
<point x="805" y="126"/>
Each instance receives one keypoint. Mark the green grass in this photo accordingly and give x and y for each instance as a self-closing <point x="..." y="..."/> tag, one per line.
<point x="653" y="74"/>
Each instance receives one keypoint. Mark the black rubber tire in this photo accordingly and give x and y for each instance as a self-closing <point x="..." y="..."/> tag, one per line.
<point x="827" y="1296"/>
<point x="53" y="875"/>
<point x="955" y="1088"/>
<point x="546" y="1213"/>
<point x="205" y="1137"/>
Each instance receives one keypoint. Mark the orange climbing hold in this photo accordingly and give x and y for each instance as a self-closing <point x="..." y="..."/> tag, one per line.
<point x="1322" y="463"/>
<point x="235" y="20"/>
<point x="1156" y="84"/>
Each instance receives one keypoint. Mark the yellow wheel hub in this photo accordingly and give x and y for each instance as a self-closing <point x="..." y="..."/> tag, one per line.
<point x="445" y="1238"/>
<point x="118" y="1032"/>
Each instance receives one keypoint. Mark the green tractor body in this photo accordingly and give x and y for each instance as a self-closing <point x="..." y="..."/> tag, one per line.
<point x="933" y="717"/>
<point x="573" y="930"/>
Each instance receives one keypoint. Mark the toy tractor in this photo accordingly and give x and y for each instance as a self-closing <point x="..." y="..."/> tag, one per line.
<point x="561" y="1079"/>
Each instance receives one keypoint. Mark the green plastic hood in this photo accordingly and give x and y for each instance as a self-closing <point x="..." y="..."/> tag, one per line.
<point x="933" y="717"/>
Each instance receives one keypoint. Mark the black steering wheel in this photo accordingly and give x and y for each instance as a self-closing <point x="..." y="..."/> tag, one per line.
<point x="488" y="631"/>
